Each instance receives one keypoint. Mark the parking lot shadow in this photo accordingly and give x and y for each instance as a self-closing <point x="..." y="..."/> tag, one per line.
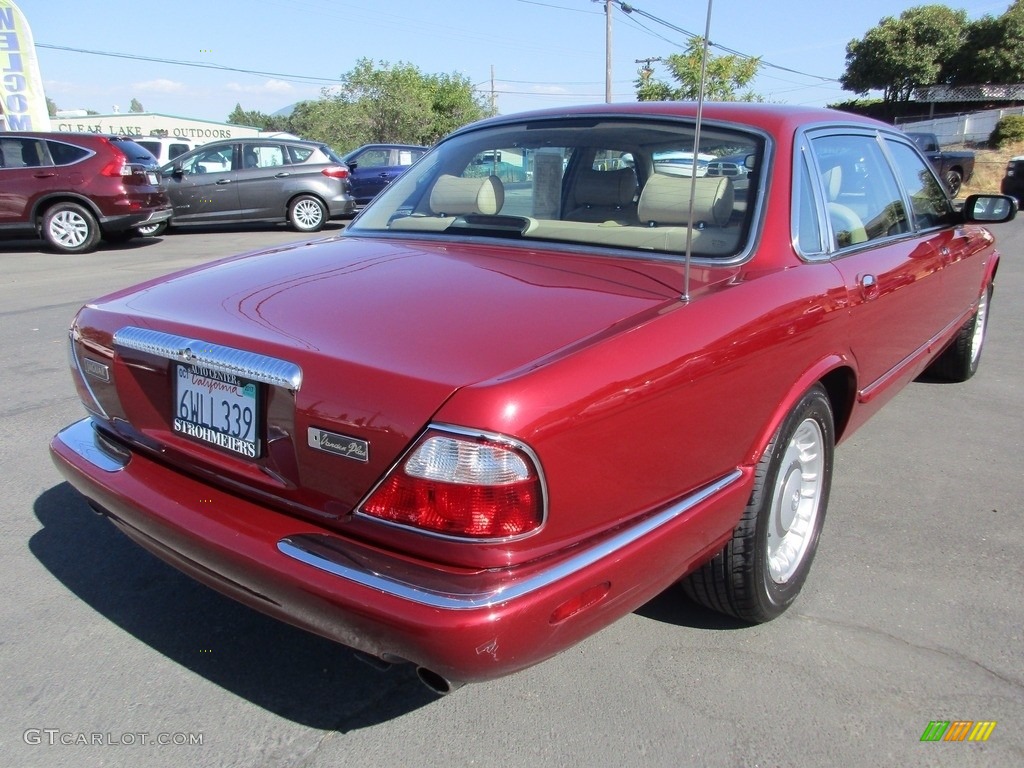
<point x="673" y="607"/>
<point x="292" y="673"/>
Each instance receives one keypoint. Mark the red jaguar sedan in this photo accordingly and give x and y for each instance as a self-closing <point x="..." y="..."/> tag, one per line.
<point x="537" y="381"/>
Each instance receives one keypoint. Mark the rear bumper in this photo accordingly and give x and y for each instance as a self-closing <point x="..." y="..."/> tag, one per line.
<point x="463" y="626"/>
<point x="340" y="206"/>
<point x="128" y="221"/>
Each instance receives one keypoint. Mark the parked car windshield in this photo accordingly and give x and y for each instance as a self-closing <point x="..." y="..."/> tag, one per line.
<point x="591" y="182"/>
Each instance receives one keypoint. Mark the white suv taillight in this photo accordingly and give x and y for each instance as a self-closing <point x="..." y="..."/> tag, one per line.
<point x="480" y="487"/>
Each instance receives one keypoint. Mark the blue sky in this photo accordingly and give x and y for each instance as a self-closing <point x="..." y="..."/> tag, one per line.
<point x="544" y="53"/>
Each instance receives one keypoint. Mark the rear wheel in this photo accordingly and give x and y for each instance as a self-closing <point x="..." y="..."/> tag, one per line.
<point x="70" y="228"/>
<point x="961" y="358"/>
<point x="953" y="182"/>
<point x="152" y="230"/>
<point x="763" y="567"/>
<point x="307" y="214"/>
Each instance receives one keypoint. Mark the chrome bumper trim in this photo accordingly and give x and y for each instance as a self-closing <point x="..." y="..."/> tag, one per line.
<point x="314" y="550"/>
<point x="239" y="362"/>
<point x="81" y="437"/>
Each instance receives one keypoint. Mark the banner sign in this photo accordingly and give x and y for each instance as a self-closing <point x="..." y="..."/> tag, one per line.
<point x="22" y="101"/>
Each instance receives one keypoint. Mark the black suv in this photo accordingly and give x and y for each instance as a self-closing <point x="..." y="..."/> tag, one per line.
<point x="1013" y="180"/>
<point x="72" y="189"/>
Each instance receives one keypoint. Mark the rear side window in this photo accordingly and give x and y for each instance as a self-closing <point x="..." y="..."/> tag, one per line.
<point x="299" y="154"/>
<point x="864" y="200"/>
<point x="65" y="154"/>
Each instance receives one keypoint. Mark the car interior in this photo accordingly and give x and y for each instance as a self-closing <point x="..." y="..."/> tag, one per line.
<point x="599" y="187"/>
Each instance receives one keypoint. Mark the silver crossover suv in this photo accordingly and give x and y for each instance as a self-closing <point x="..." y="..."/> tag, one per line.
<point x="302" y="182"/>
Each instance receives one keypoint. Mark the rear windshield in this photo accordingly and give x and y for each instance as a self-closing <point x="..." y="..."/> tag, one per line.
<point x="134" y="152"/>
<point x="622" y="184"/>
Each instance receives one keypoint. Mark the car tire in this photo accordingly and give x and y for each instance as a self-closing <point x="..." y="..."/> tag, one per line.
<point x="307" y="213"/>
<point x="960" y="360"/>
<point x="152" y="230"/>
<point x="70" y="228"/>
<point x="953" y="182"/>
<point x="763" y="567"/>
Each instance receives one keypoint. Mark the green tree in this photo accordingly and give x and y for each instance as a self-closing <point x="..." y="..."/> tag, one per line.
<point x="992" y="50"/>
<point x="399" y="103"/>
<point x="257" y="119"/>
<point x="725" y="80"/>
<point x="325" y="119"/>
<point x="136" y="106"/>
<point x="51" y="107"/>
<point x="902" y="54"/>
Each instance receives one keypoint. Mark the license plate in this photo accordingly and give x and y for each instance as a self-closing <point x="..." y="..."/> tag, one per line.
<point x="152" y="178"/>
<point x="217" y="408"/>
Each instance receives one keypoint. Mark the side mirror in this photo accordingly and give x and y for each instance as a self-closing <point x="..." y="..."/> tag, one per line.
<point x="352" y="164"/>
<point x="991" y="209"/>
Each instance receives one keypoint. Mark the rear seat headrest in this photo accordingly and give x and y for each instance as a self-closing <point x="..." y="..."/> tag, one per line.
<point x="666" y="200"/>
<point x="458" y="196"/>
<point x="607" y="188"/>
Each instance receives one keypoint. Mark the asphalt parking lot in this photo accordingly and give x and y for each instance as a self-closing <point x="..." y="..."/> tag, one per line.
<point x="913" y="611"/>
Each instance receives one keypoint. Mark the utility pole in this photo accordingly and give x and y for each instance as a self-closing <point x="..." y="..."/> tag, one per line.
<point x="493" y="95"/>
<point x="647" y="70"/>
<point x="607" y="51"/>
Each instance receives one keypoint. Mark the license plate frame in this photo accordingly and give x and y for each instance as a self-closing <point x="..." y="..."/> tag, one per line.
<point x="217" y="408"/>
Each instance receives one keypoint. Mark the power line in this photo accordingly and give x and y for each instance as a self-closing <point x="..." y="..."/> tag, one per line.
<point x="308" y="79"/>
<point x="628" y="9"/>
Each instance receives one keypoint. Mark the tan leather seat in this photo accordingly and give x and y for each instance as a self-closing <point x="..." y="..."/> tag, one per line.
<point x="847" y="227"/>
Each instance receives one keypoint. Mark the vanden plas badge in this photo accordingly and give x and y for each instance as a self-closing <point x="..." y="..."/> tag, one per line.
<point x="340" y="445"/>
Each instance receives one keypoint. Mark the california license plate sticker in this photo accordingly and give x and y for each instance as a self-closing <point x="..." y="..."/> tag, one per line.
<point x="217" y="408"/>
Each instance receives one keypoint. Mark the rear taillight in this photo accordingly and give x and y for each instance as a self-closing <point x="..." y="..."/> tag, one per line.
<point x="336" y="172"/>
<point x="480" y="487"/>
<point x="118" y="165"/>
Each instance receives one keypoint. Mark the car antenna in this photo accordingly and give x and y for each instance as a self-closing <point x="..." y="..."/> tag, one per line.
<point x="696" y="154"/>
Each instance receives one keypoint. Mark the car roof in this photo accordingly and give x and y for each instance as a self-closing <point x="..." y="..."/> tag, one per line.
<point x="779" y="119"/>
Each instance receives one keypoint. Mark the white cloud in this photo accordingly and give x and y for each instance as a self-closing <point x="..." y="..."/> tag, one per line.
<point x="161" y="85"/>
<point x="274" y="87"/>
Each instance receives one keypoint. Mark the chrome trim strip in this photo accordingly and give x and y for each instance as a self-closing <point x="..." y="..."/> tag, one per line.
<point x="869" y="392"/>
<point x="302" y="548"/>
<point x="81" y="438"/>
<point x="249" y="365"/>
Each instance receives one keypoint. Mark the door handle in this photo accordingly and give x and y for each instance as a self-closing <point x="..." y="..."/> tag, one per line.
<point x="223" y="181"/>
<point x="44" y="175"/>
<point x="281" y="175"/>
<point x="868" y="287"/>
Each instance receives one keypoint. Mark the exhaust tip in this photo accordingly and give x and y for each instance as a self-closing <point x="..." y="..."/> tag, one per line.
<point x="439" y="684"/>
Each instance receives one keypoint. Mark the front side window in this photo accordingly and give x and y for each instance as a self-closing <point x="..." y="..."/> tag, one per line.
<point x="213" y="160"/>
<point x="928" y="199"/>
<point x="620" y="184"/>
